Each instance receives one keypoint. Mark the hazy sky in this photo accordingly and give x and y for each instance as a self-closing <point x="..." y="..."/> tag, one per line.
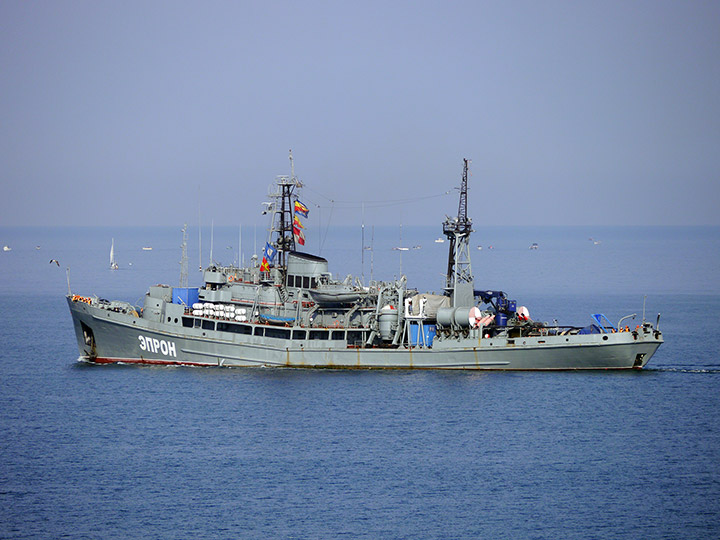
<point x="573" y="112"/>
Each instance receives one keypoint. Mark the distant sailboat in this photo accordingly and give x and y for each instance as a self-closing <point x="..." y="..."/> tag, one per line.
<point x="113" y="264"/>
<point x="400" y="247"/>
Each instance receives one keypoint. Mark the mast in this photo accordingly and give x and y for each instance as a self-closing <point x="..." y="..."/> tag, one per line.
<point x="200" y="267"/>
<point x="362" y="242"/>
<point x="372" y="252"/>
<point x="212" y="240"/>
<point x="284" y="214"/>
<point x="184" y="259"/>
<point x="459" y="279"/>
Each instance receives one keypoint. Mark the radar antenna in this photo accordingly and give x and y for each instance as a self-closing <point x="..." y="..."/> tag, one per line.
<point x="459" y="279"/>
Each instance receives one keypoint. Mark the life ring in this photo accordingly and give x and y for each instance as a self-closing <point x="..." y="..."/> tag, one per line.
<point x="231" y="279"/>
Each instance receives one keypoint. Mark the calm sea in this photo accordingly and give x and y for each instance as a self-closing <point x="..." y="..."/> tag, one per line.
<point x="117" y="452"/>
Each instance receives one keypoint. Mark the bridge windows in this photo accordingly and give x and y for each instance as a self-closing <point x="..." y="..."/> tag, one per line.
<point x="302" y="282"/>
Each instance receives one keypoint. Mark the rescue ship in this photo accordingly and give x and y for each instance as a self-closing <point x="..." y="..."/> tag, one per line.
<point x="286" y="310"/>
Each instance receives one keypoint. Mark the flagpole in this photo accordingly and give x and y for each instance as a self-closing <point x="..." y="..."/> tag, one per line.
<point x="199" y="234"/>
<point x="212" y="239"/>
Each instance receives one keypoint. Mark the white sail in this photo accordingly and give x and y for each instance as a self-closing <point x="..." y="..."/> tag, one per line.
<point x="113" y="264"/>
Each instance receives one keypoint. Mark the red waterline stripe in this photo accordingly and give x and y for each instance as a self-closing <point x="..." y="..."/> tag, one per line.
<point x="147" y="361"/>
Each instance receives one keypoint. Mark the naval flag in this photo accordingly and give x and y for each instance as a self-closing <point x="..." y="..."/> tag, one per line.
<point x="299" y="236"/>
<point x="301" y="209"/>
<point x="268" y="257"/>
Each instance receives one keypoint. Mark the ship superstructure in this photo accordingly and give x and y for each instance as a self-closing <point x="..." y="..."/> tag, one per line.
<point x="287" y="310"/>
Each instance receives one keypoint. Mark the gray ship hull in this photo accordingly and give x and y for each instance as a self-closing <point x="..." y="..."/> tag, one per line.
<point x="107" y="336"/>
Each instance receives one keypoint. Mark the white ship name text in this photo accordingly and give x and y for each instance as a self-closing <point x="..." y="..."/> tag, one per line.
<point x="157" y="345"/>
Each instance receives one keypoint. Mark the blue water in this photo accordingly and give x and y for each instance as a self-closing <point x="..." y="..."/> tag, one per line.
<point x="145" y="452"/>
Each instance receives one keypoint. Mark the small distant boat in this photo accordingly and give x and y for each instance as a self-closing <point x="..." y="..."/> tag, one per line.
<point x="534" y="245"/>
<point x="147" y="248"/>
<point x="401" y="249"/>
<point x="479" y="247"/>
<point x="439" y="240"/>
<point x="417" y="247"/>
<point x="113" y="264"/>
<point x="7" y="248"/>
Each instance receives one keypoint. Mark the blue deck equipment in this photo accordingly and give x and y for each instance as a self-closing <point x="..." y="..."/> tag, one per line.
<point x="597" y="317"/>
